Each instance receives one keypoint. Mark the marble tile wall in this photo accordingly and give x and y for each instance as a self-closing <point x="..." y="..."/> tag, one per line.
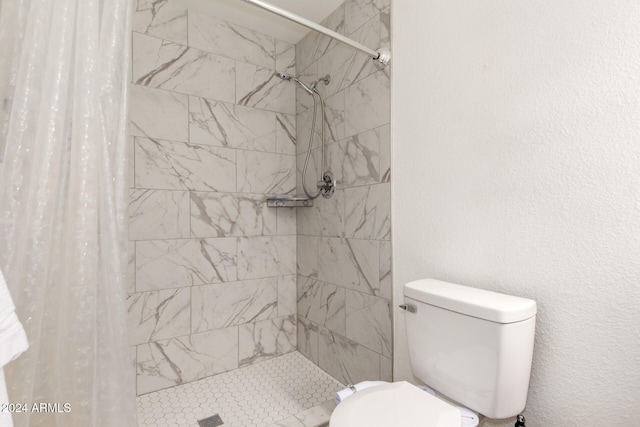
<point x="343" y="243"/>
<point x="212" y="131"/>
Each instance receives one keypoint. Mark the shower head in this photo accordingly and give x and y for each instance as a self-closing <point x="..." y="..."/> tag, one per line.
<point x="285" y="76"/>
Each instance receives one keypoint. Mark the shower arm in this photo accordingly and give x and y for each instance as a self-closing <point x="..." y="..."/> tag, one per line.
<point x="382" y="55"/>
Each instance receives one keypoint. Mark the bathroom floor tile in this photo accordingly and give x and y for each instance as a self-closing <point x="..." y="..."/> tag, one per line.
<point x="318" y="415"/>
<point x="291" y="421"/>
<point x="284" y="391"/>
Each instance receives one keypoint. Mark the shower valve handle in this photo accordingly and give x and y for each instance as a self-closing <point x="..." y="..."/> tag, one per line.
<point x="328" y="185"/>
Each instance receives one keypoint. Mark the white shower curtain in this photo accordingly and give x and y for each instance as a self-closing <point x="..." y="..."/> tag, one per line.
<point x="63" y="87"/>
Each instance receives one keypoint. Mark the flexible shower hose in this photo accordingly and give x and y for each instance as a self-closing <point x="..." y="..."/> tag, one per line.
<point x="306" y="161"/>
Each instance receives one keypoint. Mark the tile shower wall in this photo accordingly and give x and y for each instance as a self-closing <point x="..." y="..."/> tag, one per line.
<point x="212" y="282"/>
<point x="344" y="250"/>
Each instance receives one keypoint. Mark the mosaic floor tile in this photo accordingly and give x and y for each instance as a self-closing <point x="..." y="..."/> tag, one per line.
<point x="269" y="393"/>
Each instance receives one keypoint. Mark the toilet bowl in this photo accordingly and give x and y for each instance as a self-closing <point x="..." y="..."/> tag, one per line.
<point x="472" y="345"/>
<point x="395" y="404"/>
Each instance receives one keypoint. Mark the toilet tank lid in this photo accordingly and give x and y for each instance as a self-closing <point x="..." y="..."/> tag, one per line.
<point x="488" y="305"/>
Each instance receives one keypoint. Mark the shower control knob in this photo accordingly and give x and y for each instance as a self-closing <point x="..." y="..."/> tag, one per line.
<point x="328" y="185"/>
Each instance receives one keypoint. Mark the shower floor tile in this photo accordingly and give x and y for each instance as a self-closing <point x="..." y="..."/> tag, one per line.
<point x="288" y="390"/>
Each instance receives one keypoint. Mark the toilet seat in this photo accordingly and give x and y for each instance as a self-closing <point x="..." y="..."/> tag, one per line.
<point x="394" y="404"/>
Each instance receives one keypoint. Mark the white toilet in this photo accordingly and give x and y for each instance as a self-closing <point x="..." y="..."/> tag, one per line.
<point x="473" y="346"/>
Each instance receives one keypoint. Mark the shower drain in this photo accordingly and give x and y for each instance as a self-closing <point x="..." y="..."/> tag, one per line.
<point x="211" y="421"/>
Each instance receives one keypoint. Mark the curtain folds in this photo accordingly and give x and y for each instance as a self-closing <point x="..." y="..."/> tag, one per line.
<point x="63" y="115"/>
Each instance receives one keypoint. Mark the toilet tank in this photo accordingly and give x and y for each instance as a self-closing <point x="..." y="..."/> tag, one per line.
<point x="473" y="346"/>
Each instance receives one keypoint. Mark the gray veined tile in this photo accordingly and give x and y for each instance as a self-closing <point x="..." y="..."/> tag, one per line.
<point x="158" y="114"/>
<point x="346" y="360"/>
<point x="130" y="162"/>
<point x="377" y="30"/>
<point x="308" y="339"/>
<point x="158" y="214"/>
<point x="357" y="12"/>
<point x="238" y="214"/>
<point x="260" y="88"/>
<point x="158" y="315"/>
<point x="266" y="339"/>
<point x="322" y="303"/>
<point x="166" y="19"/>
<point x="131" y="267"/>
<point x="286" y="134"/>
<point x="369" y="321"/>
<point x="171" y="66"/>
<point x="314" y="45"/>
<point x="355" y="161"/>
<point x="369" y="32"/>
<point x="386" y="369"/>
<point x="175" y="361"/>
<point x="230" y="40"/>
<point x="287" y="303"/>
<point x="228" y="125"/>
<point x="368" y="212"/>
<point x="307" y="256"/>
<point x="266" y="256"/>
<point x="235" y="303"/>
<point x="178" y="165"/>
<point x="309" y="219"/>
<point x="346" y="66"/>
<point x="367" y="104"/>
<point x="287" y="221"/>
<point x="312" y="175"/>
<point x="266" y="173"/>
<point x="335" y="20"/>
<point x="162" y="264"/>
<point x="133" y="356"/>
<point x="332" y="215"/>
<point x="318" y="415"/>
<point x="385" y="270"/>
<point x="385" y="28"/>
<point x="334" y="118"/>
<point x="285" y="57"/>
<point x="304" y="125"/>
<point x="385" y="153"/>
<point x="352" y="263"/>
<point x="304" y="100"/>
<point x="290" y="421"/>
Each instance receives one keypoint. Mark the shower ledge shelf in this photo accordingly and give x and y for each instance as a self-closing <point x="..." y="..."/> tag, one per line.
<point x="288" y="201"/>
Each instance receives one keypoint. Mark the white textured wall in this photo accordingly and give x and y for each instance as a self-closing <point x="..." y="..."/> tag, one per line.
<point x="516" y="163"/>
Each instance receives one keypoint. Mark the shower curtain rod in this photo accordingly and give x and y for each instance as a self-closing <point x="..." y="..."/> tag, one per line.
<point x="381" y="55"/>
